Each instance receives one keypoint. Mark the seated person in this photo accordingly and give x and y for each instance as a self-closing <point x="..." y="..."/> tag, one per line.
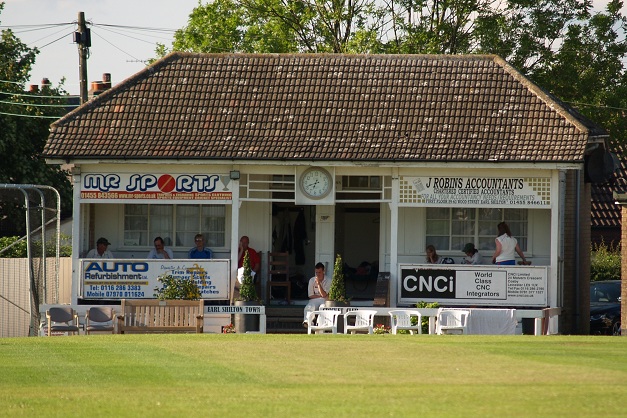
<point x="101" y="250"/>
<point x="434" y="258"/>
<point x="200" y="251"/>
<point x="472" y="254"/>
<point x="160" y="251"/>
<point x="318" y="290"/>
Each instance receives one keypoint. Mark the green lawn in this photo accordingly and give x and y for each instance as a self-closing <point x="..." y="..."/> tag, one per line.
<point x="317" y="376"/>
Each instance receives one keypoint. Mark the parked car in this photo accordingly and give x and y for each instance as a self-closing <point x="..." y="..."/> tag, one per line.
<point x="605" y="307"/>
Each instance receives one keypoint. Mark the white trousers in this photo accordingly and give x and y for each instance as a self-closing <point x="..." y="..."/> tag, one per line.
<point x="313" y="305"/>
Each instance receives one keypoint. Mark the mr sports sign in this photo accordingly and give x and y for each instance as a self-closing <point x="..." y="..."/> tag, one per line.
<point x="125" y="186"/>
<point x="473" y="285"/>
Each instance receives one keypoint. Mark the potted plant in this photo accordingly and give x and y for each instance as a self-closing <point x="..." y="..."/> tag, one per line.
<point x="337" y="292"/>
<point x="177" y="288"/>
<point x="247" y="296"/>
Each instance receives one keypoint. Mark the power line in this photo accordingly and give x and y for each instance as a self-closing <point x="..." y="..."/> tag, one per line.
<point x="135" y="27"/>
<point x="31" y="116"/>
<point x="597" y="106"/>
<point x="41" y="25"/>
<point x="116" y="47"/>
<point x="132" y="37"/>
<point x="33" y="104"/>
<point x="37" y="95"/>
<point x="58" y="39"/>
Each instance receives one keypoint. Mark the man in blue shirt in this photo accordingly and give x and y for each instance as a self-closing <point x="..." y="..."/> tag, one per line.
<point x="200" y="251"/>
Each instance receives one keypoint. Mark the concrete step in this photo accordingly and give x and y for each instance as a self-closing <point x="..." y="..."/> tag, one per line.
<point x="285" y="319"/>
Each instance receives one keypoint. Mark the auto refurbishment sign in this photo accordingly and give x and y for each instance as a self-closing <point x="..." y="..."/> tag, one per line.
<point x="520" y="192"/>
<point x="473" y="285"/>
<point x="136" y="186"/>
<point x="133" y="279"/>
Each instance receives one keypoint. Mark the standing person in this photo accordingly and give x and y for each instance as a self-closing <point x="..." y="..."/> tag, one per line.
<point x="160" y="251"/>
<point x="472" y="254"/>
<point x="101" y="250"/>
<point x="506" y="247"/>
<point x="200" y="251"/>
<point x="254" y="258"/>
<point x="318" y="291"/>
<point x="255" y="261"/>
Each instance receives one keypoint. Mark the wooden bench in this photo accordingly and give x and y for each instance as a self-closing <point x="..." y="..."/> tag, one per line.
<point x="159" y="316"/>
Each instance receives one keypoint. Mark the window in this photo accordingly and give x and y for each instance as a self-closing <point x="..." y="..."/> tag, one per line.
<point x="361" y="182"/>
<point x="449" y="229"/>
<point x="176" y="224"/>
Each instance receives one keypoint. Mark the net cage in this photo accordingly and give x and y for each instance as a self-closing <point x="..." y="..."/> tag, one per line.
<point x="29" y="255"/>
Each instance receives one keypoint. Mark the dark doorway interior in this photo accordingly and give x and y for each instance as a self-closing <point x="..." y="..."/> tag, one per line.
<point x="294" y="232"/>
<point x="357" y="240"/>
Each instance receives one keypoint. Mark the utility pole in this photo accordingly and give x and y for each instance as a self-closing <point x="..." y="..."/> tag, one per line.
<point x="82" y="38"/>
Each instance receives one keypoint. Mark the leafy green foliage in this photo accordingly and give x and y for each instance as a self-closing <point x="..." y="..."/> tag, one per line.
<point x="247" y="291"/>
<point x="605" y="263"/>
<point x="18" y="247"/>
<point x="177" y="288"/>
<point x="425" y="320"/>
<point x="337" y="292"/>
<point x="22" y="138"/>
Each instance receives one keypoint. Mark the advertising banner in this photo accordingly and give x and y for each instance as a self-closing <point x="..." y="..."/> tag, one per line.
<point x="134" y="279"/>
<point x="125" y="187"/>
<point x="510" y="286"/>
<point x="520" y="192"/>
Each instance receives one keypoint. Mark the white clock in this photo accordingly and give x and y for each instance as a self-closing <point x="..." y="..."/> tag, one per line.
<point x="316" y="183"/>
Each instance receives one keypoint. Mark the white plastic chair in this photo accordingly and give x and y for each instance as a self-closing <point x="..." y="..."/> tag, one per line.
<point x="401" y="319"/>
<point x="452" y="321"/>
<point x="364" y="321"/>
<point x="325" y="321"/>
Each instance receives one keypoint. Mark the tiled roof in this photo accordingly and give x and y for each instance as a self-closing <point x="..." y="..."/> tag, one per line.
<point x="605" y="213"/>
<point x="323" y="107"/>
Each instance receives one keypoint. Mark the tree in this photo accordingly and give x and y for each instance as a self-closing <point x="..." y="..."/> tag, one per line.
<point x="24" y="127"/>
<point x="274" y="26"/>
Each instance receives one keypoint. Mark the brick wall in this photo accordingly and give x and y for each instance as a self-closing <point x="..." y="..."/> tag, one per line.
<point x="575" y="317"/>
<point x="623" y="271"/>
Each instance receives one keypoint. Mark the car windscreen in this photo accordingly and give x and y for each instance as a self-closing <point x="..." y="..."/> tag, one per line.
<point x="605" y="292"/>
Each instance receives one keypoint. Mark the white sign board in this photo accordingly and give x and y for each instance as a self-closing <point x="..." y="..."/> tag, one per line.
<point x="125" y="187"/>
<point x="134" y="279"/>
<point x="473" y="285"/>
<point x="520" y="192"/>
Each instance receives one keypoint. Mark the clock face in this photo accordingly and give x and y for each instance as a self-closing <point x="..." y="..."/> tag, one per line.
<point x="316" y="183"/>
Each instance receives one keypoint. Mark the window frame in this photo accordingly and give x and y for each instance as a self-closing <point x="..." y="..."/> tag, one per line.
<point x="173" y="232"/>
<point x="517" y="219"/>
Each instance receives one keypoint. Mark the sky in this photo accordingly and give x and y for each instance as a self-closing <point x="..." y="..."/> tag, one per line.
<point x="117" y="50"/>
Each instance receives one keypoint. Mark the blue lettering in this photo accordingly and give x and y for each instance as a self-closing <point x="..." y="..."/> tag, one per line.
<point x="101" y="182"/>
<point x="141" y="182"/>
<point x="117" y="266"/>
<point x="197" y="182"/>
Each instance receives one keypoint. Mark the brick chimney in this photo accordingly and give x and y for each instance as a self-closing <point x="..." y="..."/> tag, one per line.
<point x="98" y="87"/>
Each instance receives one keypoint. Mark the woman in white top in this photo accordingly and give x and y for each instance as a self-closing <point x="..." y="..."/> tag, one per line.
<point x="506" y="247"/>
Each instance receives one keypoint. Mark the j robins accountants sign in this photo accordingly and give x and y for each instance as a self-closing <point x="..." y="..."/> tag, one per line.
<point x="521" y="192"/>
<point x="473" y="285"/>
<point x="97" y="187"/>
<point x="133" y="279"/>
